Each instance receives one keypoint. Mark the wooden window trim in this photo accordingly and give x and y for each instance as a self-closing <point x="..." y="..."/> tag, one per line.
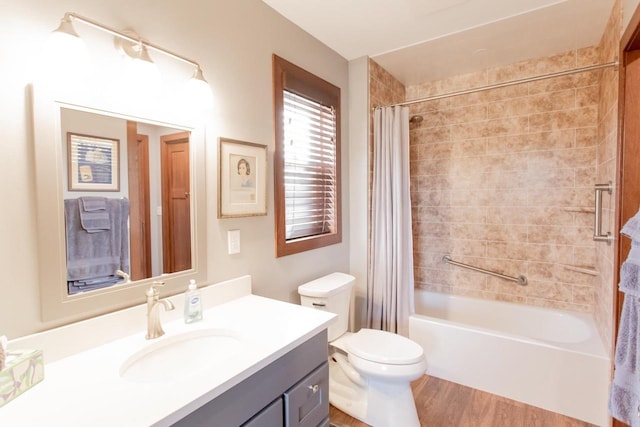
<point x="287" y="76"/>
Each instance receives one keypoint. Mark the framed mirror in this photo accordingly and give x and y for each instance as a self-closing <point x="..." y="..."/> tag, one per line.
<point x="121" y="185"/>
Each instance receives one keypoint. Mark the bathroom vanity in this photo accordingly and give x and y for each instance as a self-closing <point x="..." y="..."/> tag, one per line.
<point x="252" y="362"/>
<point x="291" y="391"/>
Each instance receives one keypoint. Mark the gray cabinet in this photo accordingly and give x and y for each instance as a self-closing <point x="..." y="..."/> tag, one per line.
<point x="307" y="403"/>
<point x="271" y="416"/>
<point x="292" y="391"/>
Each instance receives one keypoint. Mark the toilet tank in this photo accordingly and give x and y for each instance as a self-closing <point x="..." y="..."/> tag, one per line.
<point x="330" y="293"/>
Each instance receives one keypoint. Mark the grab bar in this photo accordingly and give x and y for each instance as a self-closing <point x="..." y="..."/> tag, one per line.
<point x="520" y="280"/>
<point x="597" y="223"/>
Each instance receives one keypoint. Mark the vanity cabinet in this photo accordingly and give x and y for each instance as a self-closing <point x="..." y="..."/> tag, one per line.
<point x="292" y="391"/>
<point x="271" y="416"/>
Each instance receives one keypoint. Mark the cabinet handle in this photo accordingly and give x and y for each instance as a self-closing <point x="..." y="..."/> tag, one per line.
<point x="314" y="388"/>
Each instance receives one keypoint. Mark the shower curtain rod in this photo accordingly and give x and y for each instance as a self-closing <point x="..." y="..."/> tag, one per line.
<point x="504" y="84"/>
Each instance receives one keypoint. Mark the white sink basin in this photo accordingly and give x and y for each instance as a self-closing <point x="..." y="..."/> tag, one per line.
<point x="180" y="355"/>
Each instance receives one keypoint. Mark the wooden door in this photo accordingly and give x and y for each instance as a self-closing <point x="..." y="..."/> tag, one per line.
<point x="176" y="203"/>
<point x="139" y="210"/>
<point x="629" y="149"/>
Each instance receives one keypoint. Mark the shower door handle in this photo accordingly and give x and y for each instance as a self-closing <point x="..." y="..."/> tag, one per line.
<point x="598" y="236"/>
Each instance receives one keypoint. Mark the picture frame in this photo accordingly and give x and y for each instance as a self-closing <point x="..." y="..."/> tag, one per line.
<point x="242" y="179"/>
<point x="93" y="163"/>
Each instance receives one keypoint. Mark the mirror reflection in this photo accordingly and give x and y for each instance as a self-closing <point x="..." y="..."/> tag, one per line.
<point x="127" y="200"/>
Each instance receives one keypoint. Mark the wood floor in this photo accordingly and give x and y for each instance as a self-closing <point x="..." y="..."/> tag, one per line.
<point x="442" y="403"/>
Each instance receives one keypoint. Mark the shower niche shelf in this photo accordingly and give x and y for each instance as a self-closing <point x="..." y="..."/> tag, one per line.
<point x="582" y="269"/>
<point x="580" y="210"/>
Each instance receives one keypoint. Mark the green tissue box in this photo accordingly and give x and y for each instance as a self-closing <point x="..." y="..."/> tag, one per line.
<point x="24" y="369"/>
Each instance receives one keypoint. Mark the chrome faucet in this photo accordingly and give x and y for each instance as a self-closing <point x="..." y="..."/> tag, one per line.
<point x="154" y="328"/>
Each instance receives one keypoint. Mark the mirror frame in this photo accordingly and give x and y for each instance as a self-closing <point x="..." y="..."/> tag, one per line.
<point x="55" y="302"/>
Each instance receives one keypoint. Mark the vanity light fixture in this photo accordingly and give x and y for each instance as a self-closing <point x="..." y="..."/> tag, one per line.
<point x="134" y="46"/>
<point x="134" y="50"/>
<point x="199" y="90"/>
<point x="198" y="76"/>
<point x="142" y="71"/>
<point x="66" y="26"/>
<point x="65" y="45"/>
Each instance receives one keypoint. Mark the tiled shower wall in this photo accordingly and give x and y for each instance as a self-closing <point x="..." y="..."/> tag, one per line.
<point x="503" y="179"/>
<point x="384" y="89"/>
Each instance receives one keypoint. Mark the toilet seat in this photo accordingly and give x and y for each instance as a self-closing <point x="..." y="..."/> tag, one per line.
<point x="384" y="347"/>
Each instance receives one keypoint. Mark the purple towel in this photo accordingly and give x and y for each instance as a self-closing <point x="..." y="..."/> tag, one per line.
<point x="91" y="204"/>
<point x="94" y="214"/>
<point x="624" y="395"/>
<point x="97" y="255"/>
<point x="631" y="228"/>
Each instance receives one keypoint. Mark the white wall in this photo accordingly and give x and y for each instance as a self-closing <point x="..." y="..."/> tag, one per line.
<point x="234" y="41"/>
<point x="628" y="8"/>
<point x="359" y="182"/>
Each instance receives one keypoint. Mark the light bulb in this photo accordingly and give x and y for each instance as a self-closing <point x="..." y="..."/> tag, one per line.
<point x="142" y="75"/>
<point x="199" y="92"/>
<point x="65" y="60"/>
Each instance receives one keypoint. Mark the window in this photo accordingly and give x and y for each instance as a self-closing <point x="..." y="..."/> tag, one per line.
<point x="306" y="161"/>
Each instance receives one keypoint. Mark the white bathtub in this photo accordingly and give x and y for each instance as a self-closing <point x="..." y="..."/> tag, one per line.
<point x="551" y="359"/>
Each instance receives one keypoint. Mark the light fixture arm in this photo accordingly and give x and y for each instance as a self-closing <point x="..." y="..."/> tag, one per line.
<point x="74" y="16"/>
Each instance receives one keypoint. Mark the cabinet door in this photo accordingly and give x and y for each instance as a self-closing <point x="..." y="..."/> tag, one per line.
<point x="271" y="416"/>
<point x="306" y="404"/>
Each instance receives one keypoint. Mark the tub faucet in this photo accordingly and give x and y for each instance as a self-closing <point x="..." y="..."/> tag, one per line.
<point x="154" y="328"/>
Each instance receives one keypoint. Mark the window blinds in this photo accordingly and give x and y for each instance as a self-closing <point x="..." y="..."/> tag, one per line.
<point x="309" y="167"/>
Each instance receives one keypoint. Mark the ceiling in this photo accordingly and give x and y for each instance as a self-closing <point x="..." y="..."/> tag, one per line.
<point x="424" y="40"/>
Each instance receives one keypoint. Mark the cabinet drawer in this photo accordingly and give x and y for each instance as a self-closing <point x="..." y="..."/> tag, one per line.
<point x="306" y="404"/>
<point x="271" y="416"/>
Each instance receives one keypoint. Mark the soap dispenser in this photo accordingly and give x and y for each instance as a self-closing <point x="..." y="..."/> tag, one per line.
<point x="192" y="303"/>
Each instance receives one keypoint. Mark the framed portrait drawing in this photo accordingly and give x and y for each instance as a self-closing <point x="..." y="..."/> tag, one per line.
<point x="242" y="179"/>
<point x="92" y="163"/>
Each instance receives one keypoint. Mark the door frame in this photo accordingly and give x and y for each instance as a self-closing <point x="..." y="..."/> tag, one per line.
<point x="139" y="213"/>
<point x="628" y="175"/>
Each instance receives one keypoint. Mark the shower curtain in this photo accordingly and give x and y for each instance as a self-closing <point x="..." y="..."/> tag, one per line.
<point x="390" y="279"/>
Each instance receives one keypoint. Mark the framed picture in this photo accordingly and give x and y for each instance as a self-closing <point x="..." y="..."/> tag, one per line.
<point x="242" y="180"/>
<point x="93" y="163"/>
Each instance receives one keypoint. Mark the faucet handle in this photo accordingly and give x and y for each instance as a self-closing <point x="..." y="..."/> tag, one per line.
<point x="152" y="291"/>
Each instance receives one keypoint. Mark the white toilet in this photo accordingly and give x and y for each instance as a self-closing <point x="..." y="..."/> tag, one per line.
<point x="369" y="371"/>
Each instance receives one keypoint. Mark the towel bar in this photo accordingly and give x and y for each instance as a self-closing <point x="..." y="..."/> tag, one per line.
<point x="520" y="280"/>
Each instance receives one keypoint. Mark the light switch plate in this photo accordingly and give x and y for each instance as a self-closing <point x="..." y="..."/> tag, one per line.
<point x="233" y="241"/>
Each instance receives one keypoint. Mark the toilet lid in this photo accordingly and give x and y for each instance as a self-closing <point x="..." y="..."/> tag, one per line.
<point x="384" y="347"/>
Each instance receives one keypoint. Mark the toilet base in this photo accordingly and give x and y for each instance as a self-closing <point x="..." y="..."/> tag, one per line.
<point x="380" y="404"/>
<point x="391" y="405"/>
<point x="344" y="394"/>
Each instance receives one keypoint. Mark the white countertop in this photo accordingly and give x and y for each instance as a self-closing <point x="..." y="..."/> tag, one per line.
<point x="85" y="388"/>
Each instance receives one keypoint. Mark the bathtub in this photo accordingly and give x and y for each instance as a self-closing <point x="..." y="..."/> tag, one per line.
<point x="551" y="359"/>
